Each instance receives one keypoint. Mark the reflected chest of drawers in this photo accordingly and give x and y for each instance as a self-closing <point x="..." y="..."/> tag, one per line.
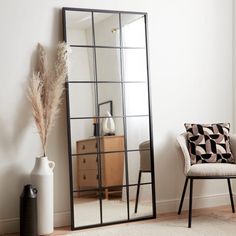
<point x="106" y="153"/>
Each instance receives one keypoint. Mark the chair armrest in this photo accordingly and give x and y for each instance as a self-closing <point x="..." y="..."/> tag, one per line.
<point x="182" y="141"/>
<point x="233" y="145"/>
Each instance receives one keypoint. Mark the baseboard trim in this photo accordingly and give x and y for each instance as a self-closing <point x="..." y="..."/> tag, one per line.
<point x="62" y="219"/>
<point x="163" y="206"/>
<point x="13" y="225"/>
<point x="9" y="226"/>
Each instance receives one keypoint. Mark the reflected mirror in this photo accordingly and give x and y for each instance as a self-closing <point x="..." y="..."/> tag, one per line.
<point x="109" y="123"/>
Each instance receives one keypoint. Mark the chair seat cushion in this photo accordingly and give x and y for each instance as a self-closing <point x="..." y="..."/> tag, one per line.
<point x="212" y="169"/>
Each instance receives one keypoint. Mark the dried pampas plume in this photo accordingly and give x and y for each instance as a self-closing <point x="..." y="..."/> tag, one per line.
<point x="45" y="90"/>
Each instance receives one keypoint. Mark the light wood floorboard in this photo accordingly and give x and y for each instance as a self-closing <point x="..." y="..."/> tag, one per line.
<point x="222" y="212"/>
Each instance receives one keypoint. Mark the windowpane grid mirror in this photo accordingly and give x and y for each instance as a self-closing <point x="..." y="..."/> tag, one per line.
<point x="109" y="117"/>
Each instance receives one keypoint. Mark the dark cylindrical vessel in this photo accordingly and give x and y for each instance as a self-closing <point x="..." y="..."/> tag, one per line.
<point x="28" y="211"/>
<point x="95" y="129"/>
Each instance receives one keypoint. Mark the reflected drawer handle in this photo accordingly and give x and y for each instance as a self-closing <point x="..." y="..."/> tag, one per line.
<point x="83" y="147"/>
<point x="96" y="145"/>
<point x="97" y="176"/>
<point x="84" y="161"/>
<point x="84" y="177"/>
<point x="97" y="159"/>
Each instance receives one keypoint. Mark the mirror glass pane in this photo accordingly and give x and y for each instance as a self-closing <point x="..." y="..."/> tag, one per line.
<point x="114" y="207"/>
<point x="108" y="64"/>
<point x="144" y="206"/>
<point x="136" y="99"/>
<point x="82" y="99"/>
<point x="86" y="209"/>
<point x="135" y="136"/>
<point x="110" y="99"/>
<point x="113" y="170"/>
<point x="82" y="136"/>
<point x="81" y="66"/>
<point x="79" y="27"/>
<point x="107" y="31"/>
<point x="134" y="63"/>
<point x="85" y="172"/>
<point x="111" y="129"/>
<point x="139" y="163"/>
<point x="133" y="30"/>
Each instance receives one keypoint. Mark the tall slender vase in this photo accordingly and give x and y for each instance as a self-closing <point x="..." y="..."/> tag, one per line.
<point x="108" y="125"/>
<point x="42" y="179"/>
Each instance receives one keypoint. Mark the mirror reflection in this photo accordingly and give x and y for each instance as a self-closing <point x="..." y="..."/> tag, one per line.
<point x="110" y="92"/>
<point x="106" y="26"/>
<point x="133" y="30"/>
<point x="109" y="117"/>
<point x="87" y="139"/>
<point x="79" y="27"/>
<point x="81" y="67"/>
<point x="86" y="209"/>
<point x="141" y="203"/>
<point x="139" y="163"/>
<point x="82" y="93"/>
<point x="135" y="104"/>
<point x="87" y="172"/>
<point x="82" y="130"/>
<point x="108" y="64"/>
<point x="135" y="67"/>
<point x="114" y="208"/>
<point x="136" y="136"/>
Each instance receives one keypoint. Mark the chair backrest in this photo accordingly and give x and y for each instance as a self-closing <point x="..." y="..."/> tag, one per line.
<point x="145" y="159"/>
<point x="182" y="141"/>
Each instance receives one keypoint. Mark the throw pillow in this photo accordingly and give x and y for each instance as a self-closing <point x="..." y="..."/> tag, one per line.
<point x="209" y="143"/>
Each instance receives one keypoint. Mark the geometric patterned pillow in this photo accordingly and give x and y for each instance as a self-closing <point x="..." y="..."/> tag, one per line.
<point x="209" y="143"/>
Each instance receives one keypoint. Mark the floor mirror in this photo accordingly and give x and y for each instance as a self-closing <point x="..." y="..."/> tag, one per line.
<point x="110" y="144"/>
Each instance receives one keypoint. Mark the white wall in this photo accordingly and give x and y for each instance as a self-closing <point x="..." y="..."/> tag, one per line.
<point x="192" y="71"/>
<point x="191" y="75"/>
<point x="234" y="68"/>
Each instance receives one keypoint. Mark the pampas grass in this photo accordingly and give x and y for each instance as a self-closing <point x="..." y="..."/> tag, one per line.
<point x="45" y="90"/>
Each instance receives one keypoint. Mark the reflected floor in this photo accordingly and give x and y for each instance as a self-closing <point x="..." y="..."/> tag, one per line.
<point x="87" y="210"/>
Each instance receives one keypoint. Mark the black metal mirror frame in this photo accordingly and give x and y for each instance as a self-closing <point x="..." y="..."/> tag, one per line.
<point x="70" y="155"/>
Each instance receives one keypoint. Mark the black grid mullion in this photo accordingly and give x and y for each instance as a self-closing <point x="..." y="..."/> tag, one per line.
<point x="98" y="119"/>
<point x="108" y="152"/>
<point x="102" y="10"/>
<point x="100" y="46"/>
<point x="68" y="129"/>
<point x="112" y="186"/>
<point x="150" y="123"/>
<point x="124" y="118"/>
<point x="92" y="117"/>
<point x="104" y="81"/>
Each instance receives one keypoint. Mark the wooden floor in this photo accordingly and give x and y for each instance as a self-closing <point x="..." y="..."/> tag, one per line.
<point x="224" y="212"/>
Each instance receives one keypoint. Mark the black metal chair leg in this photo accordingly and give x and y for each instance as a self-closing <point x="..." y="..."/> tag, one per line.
<point x="137" y="194"/>
<point x="231" y="195"/>
<point x="190" y="203"/>
<point x="182" y="197"/>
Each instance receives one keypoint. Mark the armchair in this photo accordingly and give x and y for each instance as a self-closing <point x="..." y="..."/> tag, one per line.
<point x="205" y="171"/>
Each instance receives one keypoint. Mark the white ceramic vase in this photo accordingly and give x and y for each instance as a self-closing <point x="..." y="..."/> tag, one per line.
<point x="108" y="126"/>
<point x="42" y="179"/>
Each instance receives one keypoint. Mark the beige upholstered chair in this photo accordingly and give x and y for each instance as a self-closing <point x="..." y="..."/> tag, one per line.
<point x="205" y="171"/>
<point x="145" y="166"/>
